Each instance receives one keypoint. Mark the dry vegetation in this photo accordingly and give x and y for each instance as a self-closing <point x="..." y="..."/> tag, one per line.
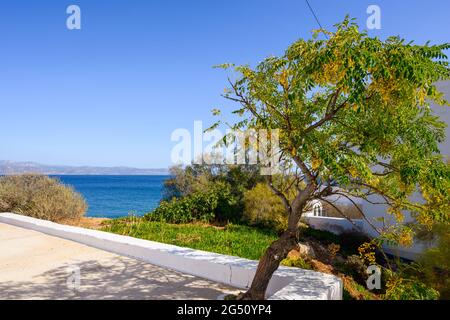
<point x="40" y="197"/>
<point x="88" y="222"/>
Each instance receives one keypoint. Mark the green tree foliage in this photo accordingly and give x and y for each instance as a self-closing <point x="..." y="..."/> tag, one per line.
<point x="40" y="197"/>
<point x="354" y="112"/>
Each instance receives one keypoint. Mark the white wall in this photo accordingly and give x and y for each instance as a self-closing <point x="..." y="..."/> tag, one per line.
<point x="286" y="283"/>
<point x="335" y="225"/>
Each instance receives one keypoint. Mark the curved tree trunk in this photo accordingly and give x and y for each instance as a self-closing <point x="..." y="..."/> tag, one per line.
<point x="279" y="249"/>
<point x="269" y="263"/>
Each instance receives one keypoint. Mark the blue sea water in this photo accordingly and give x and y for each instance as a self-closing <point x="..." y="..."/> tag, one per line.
<point x="117" y="196"/>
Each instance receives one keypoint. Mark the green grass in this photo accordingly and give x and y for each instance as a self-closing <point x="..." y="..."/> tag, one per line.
<point x="235" y="240"/>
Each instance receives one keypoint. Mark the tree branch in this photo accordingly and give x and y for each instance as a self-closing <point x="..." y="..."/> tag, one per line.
<point x="280" y="195"/>
<point x="360" y="211"/>
<point x="340" y="212"/>
<point x="329" y="115"/>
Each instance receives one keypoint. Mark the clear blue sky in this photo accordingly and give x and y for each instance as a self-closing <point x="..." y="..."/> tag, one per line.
<point x="112" y="93"/>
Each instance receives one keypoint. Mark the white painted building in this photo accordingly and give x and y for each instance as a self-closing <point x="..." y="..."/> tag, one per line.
<point x="374" y="212"/>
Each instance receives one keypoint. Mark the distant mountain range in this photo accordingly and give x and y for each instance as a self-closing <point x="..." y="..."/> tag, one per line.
<point x="12" y="167"/>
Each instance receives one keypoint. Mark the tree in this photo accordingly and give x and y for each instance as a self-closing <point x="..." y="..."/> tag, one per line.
<point x="354" y="120"/>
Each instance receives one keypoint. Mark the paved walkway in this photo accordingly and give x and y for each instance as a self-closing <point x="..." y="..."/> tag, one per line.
<point x="34" y="265"/>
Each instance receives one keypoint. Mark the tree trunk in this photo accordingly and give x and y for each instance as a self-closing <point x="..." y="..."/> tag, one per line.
<point x="269" y="263"/>
<point x="279" y="249"/>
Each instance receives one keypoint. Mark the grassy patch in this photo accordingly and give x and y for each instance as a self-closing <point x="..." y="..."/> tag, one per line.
<point x="235" y="240"/>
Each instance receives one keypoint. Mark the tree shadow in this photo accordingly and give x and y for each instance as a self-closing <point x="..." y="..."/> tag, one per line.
<point x="114" y="278"/>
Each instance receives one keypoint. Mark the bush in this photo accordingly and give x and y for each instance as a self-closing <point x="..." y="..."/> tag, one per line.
<point x="195" y="207"/>
<point x="434" y="263"/>
<point x="409" y="289"/>
<point x="297" y="262"/>
<point x="213" y="204"/>
<point x="350" y="241"/>
<point x="40" y="197"/>
<point x="356" y="268"/>
<point x="232" y="181"/>
<point x="263" y="208"/>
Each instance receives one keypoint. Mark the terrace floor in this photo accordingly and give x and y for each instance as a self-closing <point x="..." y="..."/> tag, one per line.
<point x="34" y="265"/>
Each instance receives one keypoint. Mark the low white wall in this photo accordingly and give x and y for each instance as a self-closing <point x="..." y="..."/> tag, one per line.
<point x="340" y="225"/>
<point x="286" y="283"/>
<point x="335" y="225"/>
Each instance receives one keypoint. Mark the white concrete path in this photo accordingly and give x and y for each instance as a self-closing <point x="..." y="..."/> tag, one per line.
<point x="34" y="265"/>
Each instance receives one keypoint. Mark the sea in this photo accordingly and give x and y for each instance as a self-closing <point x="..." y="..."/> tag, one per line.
<point x="117" y="196"/>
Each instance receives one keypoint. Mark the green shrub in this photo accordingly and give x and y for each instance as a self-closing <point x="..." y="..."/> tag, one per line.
<point x="213" y="204"/>
<point x="409" y="289"/>
<point x="264" y="208"/>
<point x="195" y="207"/>
<point x="434" y="263"/>
<point x="297" y="262"/>
<point x="350" y="241"/>
<point x="40" y="197"/>
<point x="355" y="267"/>
<point x="230" y="180"/>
